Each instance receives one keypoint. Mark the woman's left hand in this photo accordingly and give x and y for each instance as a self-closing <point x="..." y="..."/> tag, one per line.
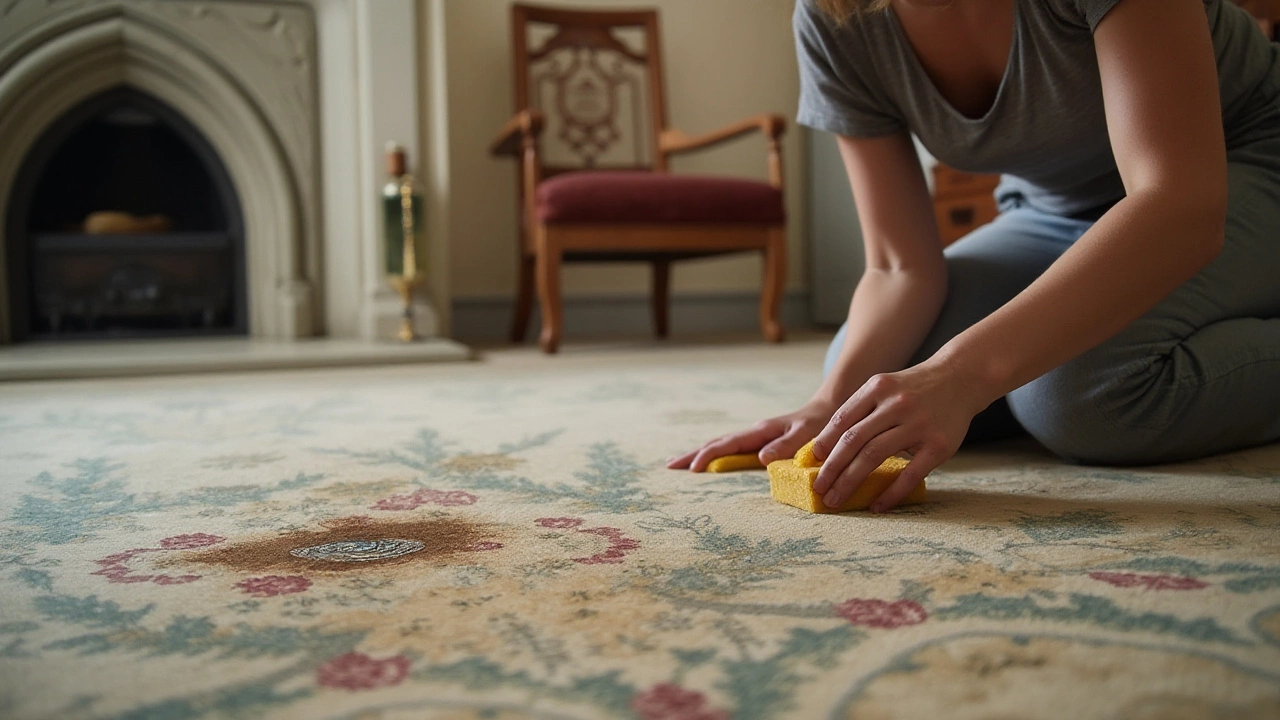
<point x="924" y="410"/>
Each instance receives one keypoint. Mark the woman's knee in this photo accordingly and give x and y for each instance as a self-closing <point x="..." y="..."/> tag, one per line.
<point x="1093" y="415"/>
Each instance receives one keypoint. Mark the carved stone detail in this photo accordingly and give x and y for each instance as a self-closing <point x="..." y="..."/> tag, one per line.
<point x="19" y="17"/>
<point x="270" y="48"/>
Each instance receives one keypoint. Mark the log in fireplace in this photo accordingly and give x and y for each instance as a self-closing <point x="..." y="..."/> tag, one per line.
<point x="124" y="223"/>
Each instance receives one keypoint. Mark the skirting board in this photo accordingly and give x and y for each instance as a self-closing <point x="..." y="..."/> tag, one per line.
<point x="487" y="319"/>
<point x="125" y="358"/>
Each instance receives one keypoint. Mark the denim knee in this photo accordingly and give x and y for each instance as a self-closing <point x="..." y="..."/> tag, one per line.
<point x="1083" y="412"/>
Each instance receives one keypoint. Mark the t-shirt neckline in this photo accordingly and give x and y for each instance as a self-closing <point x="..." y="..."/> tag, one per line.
<point x="918" y="68"/>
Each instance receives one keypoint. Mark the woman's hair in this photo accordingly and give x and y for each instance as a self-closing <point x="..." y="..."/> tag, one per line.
<point x="842" y="10"/>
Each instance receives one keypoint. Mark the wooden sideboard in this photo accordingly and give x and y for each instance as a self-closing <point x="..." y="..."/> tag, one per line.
<point x="962" y="202"/>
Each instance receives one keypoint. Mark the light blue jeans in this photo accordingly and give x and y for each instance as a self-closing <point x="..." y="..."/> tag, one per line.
<point x="1199" y="374"/>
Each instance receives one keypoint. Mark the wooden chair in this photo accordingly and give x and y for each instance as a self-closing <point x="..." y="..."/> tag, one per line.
<point x="590" y="132"/>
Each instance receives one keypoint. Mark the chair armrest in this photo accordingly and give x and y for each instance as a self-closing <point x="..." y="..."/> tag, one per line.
<point x="526" y="124"/>
<point x="673" y="142"/>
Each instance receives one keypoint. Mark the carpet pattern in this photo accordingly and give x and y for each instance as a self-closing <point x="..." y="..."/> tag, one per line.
<point x="500" y="540"/>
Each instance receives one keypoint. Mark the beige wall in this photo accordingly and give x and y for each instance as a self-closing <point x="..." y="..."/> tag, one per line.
<point x="725" y="60"/>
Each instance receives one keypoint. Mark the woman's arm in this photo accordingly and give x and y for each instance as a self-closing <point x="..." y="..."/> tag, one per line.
<point x="1160" y="88"/>
<point x="1159" y="81"/>
<point x="905" y="281"/>
<point x="893" y="308"/>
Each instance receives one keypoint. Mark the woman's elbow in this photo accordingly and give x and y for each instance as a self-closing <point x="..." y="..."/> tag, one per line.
<point x="1211" y="220"/>
<point x="1201" y="208"/>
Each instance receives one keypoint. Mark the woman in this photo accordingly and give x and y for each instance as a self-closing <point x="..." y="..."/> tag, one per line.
<point x="1125" y="305"/>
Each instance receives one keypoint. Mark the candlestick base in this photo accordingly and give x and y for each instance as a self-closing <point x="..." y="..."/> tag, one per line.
<point x="404" y="286"/>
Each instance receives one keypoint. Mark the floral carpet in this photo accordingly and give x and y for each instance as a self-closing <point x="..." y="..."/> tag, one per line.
<point x="500" y="540"/>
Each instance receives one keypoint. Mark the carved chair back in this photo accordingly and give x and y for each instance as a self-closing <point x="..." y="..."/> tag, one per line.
<point x="596" y="77"/>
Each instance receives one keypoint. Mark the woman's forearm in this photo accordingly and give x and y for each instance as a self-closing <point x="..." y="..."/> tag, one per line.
<point x="1132" y="258"/>
<point x="891" y="313"/>
<point x="904" y="287"/>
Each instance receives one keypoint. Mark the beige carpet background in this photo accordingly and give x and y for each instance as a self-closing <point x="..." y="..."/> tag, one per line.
<point x="500" y="539"/>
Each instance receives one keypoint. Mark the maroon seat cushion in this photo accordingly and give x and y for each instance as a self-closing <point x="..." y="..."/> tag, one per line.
<point x="648" y="197"/>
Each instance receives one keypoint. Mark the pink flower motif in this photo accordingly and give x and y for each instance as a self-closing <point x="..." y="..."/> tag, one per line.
<point x="188" y="542"/>
<point x="444" y="498"/>
<point x="123" y="557"/>
<point x="121" y="574"/>
<point x="608" y="557"/>
<point x="882" y="614"/>
<point x="170" y="580"/>
<point x="273" y="585"/>
<point x="485" y="545"/>
<point x="611" y="555"/>
<point x="613" y="534"/>
<point x="357" y="671"/>
<point x="397" y="502"/>
<point x="1150" y="582"/>
<point x="115" y="569"/>
<point x="561" y="523"/>
<point x="672" y="702"/>
<point x="449" y="498"/>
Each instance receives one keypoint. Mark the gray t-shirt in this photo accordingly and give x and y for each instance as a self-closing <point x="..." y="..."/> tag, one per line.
<point x="1046" y="130"/>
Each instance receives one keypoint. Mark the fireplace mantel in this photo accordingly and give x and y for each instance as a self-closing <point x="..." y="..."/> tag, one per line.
<point x="298" y="98"/>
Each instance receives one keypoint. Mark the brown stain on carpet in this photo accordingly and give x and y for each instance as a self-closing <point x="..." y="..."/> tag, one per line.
<point x="443" y="539"/>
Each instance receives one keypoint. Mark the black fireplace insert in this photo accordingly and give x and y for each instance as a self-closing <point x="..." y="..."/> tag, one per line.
<point x="124" y="223"/>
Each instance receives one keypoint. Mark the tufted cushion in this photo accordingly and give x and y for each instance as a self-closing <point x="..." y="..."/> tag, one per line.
<point x="649" y="197"/>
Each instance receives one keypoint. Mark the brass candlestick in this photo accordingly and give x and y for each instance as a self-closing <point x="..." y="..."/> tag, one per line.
<point x="408" y="279"/>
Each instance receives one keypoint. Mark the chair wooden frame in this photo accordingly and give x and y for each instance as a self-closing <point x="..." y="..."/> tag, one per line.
<point x="543" y="247"/>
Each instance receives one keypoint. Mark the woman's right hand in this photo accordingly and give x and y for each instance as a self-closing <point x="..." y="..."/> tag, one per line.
<point x="773" y="439"/>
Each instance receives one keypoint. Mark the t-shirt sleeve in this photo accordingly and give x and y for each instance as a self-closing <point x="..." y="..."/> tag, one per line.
<point x="1085" y="12"/>
<point x="1091" y="12"/>
<point x="833" y="96"/>
<point x="1095" y="10"/>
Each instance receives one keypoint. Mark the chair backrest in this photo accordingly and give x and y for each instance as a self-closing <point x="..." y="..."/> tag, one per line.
<point x="596" y="76"/>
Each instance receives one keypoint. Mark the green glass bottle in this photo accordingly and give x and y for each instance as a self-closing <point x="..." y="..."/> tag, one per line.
<point x="398" y="220"/>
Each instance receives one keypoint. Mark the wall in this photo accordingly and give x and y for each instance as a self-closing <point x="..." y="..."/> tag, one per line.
<point x="725" y="60"/>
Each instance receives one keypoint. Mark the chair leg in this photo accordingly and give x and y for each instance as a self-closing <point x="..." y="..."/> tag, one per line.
<point x="548" y="271"/>
<point x="524" y="299"/>
<point x="661" y="295"/>
<point x="775" y="281"/>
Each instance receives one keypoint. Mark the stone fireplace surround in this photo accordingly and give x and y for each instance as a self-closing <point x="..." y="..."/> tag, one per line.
<point x="298" y="98"/>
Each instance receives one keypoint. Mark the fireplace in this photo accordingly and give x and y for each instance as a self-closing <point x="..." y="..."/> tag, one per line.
<point x="248" y="137"/>
<point x="123" y="222"/>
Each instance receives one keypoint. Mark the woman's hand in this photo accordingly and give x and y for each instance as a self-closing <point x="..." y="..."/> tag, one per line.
<point x="775" y="438"/>
<point x="924" y="411"/>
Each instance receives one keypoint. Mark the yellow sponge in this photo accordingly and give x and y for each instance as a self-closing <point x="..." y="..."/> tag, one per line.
<point x="751" y="461"/>
<point x="791" y="482"/>
<point x="804" y="457"/>
<point x="730" y="463"/>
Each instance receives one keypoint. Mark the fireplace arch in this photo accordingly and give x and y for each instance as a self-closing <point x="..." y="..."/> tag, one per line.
<point x="97" y="50"/>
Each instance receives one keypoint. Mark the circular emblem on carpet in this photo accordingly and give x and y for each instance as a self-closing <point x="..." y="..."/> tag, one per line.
<point x="358" y="550"/>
